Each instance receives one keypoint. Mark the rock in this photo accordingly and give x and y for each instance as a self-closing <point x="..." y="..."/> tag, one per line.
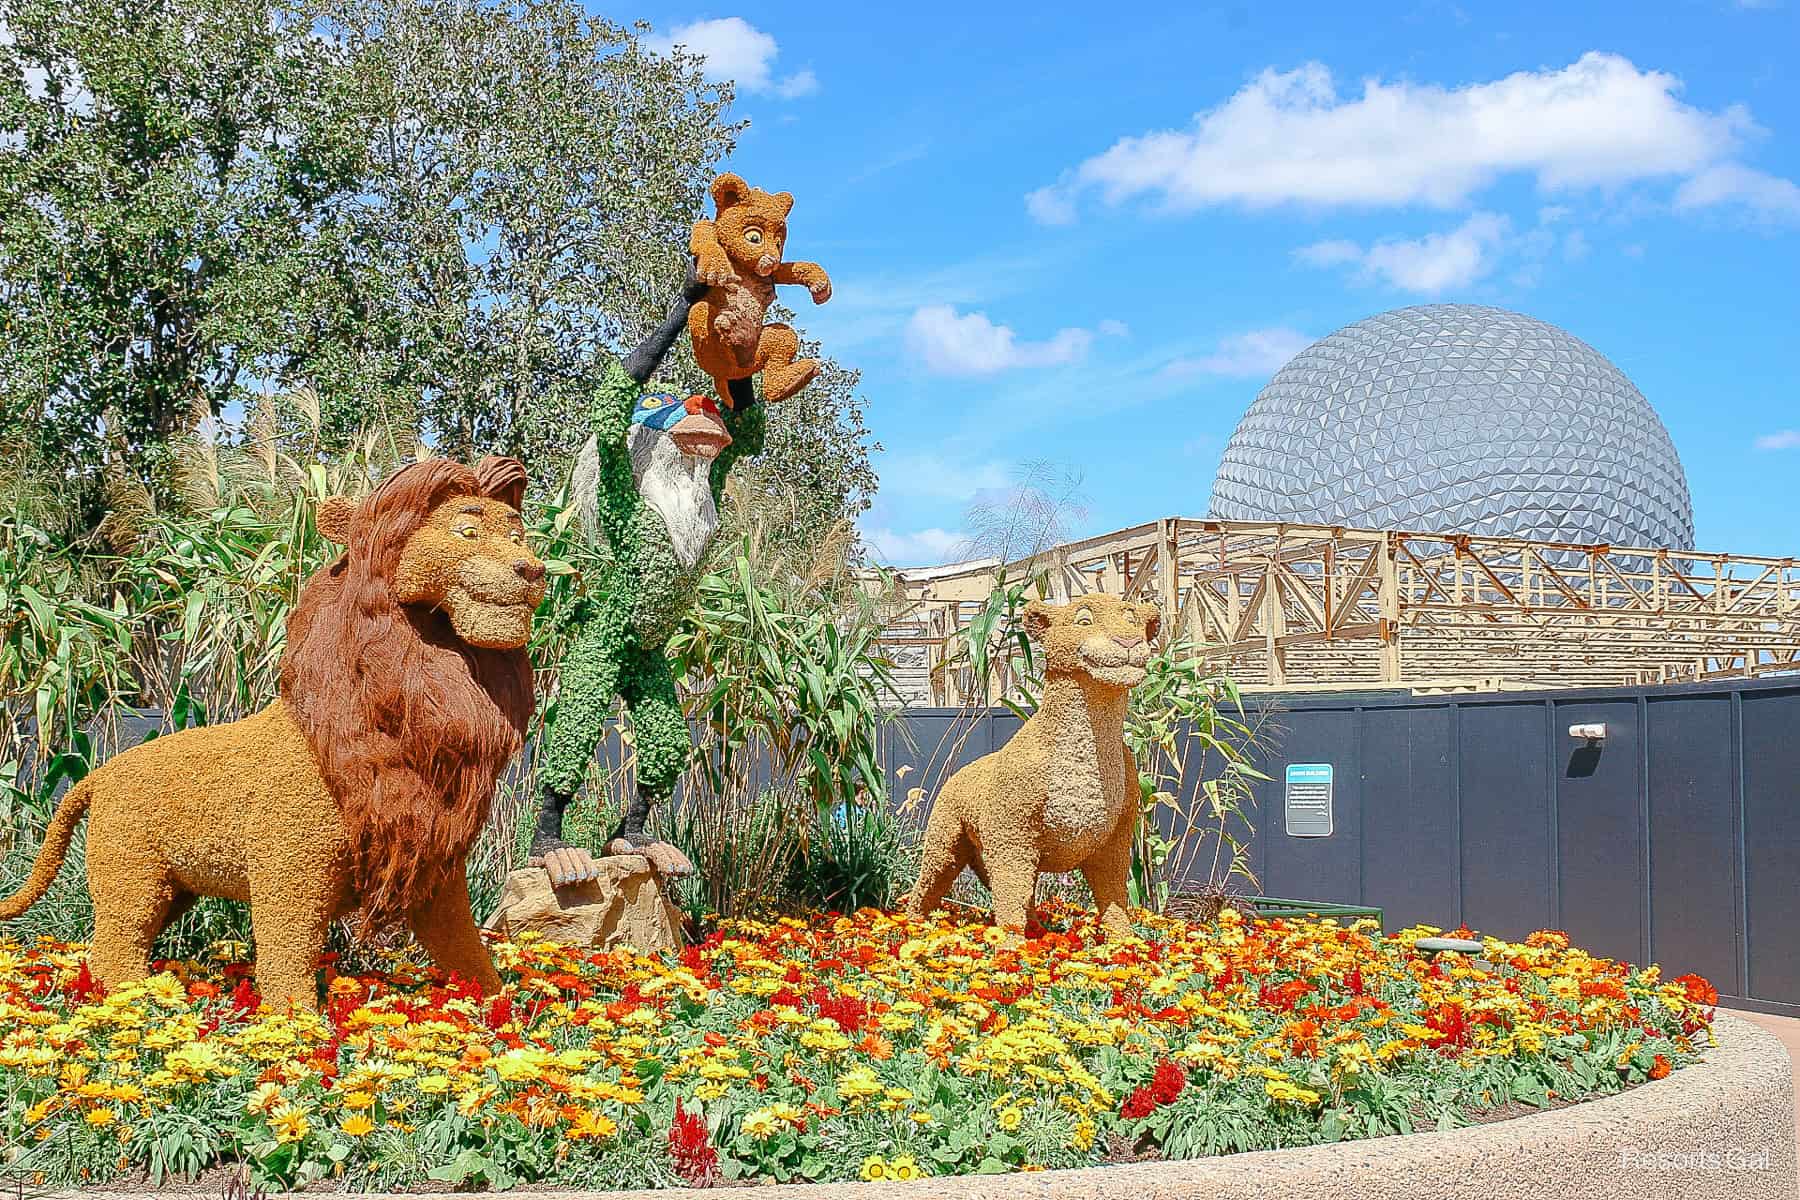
<point x="1431" y="945"/>
<point x="625" y="905"/>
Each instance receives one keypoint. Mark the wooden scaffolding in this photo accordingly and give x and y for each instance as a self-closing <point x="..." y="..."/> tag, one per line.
<point x="1304" y="607"/>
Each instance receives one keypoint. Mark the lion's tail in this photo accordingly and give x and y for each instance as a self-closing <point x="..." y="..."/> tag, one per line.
<point x="50" y="856"/>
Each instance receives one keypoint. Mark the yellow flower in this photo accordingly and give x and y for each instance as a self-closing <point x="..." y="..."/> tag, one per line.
<point x="99" y="1117"/>
<point x="359" y="1100"/>
<point x="434" y="1085"/>
<point x="1010" y="1117"/>
<point x="266" y="1097"/>
<point x="591" y="1124"/>
<point x="1282" y="1090"/>
<point x="903" y="1167"/>
<point x="858" y="1084"/>
<point x="358" y="1125"/>
<point x="290" y="1124"/>
<point x="761" y="1124"/>
<point x="874" y="1167"/>
<point x="1083" y="1137"/>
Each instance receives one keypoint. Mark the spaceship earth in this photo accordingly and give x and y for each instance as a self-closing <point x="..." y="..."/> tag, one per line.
<point x="1456" y="417"/>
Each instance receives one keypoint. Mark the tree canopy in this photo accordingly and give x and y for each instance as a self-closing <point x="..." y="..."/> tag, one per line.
<point x="437" y="218"/>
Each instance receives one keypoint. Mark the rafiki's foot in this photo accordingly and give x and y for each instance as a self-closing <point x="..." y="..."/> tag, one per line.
<point x="565" y="864"/>
<point x="665" y="859"/>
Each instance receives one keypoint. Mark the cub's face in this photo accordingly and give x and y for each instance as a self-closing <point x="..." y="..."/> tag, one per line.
<point x="753" y="230"/>
<point x="470" y="560"/>
<point x="1100" y="636"/>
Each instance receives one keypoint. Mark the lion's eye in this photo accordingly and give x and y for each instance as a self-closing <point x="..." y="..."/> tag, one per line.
<point x="1084" y="617"/>
<point x="469" y="531"/>
<point x="753" y="236"/>
<point x="518" y="537"/>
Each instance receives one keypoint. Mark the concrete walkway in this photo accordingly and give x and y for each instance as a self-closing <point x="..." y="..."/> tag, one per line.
<point x="1788" y="1030"/>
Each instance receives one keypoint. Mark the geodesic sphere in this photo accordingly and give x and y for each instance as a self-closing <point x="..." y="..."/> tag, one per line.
<point x="1458" y="418"/>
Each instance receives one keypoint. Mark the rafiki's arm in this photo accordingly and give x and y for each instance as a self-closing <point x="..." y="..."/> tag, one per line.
<point x="610" y="417"/>
<point x="748" y="426"/>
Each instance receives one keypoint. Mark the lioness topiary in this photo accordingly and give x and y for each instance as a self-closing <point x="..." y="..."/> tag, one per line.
<point x="1062" y="795"/>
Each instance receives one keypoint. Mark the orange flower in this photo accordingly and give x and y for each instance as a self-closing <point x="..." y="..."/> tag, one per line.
<point x="876" y="1047"/>
<point x="1659" y="1067"/>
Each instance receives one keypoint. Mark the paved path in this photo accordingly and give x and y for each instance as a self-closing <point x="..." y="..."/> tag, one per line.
<point x="1788" y="1030"/>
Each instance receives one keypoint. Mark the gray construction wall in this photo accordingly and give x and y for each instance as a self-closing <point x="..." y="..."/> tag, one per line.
<point x="1675" y="840"/>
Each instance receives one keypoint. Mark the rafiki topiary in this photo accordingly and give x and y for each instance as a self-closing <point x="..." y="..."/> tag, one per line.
<point x="649" y="480"/>
<point x="405" y="689"/>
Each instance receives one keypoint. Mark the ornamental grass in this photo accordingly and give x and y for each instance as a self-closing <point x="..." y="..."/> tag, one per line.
<point x="833" y="1048"/>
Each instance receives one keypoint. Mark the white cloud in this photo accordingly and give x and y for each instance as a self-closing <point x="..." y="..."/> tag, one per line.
<point x="1288" y="137"/>
<point x="1256" y="354"/>
<point x="918" y="548"/>
<point x="1769" y="197"/>
<point x="970" y="344"/>
<point x="1051" y="205"/>
<point x="1431" y="264"/>
<point x="736" y="50"/>
<point x="1783" y="439"/>
<point x="1113" y="328"/>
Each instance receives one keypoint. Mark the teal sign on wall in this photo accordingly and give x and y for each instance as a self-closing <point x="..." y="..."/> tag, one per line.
<point x="1308" y="806"/>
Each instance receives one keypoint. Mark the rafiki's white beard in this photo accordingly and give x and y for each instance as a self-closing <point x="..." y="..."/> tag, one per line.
<point x="676" y="486"/>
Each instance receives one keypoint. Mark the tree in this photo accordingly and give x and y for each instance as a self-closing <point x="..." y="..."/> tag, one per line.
<point x="439" y="217"/>
<point x="169" y="171"/>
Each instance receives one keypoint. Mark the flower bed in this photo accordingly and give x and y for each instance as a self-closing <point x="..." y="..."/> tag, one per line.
<point x="864" y="1046"/>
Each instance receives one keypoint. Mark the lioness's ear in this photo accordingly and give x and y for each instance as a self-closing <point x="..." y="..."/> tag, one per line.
<point x="1037" y="620"/>
<point x="333" y="519"/>
<point x="785" y="200"/>
<point x="729" y="189"/>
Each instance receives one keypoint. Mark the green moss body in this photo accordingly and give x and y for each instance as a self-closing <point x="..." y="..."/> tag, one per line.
<point x="637" y="602"/>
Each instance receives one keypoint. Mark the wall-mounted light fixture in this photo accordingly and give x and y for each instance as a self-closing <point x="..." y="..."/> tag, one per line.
<point x="1595" y="732"/>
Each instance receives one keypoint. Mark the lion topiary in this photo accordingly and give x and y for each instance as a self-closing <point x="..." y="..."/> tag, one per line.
<point x="405" y="690"/>
<point x="1062" y="794"/>
<point x="738" y="256"/>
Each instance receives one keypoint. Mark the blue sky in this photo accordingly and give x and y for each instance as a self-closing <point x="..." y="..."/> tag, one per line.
<point x="1086" y="236"/>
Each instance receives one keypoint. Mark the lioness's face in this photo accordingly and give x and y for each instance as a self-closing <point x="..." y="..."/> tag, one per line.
<point x="470" y="560"/>
<point x="1098" y="635"/>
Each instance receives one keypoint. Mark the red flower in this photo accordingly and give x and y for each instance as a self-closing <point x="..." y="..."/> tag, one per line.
<point x="691" y="1149"/>
<point x="244" y="1000"/>
<point x="1353" y="982"/>
<point x="1138" y="1105"/>
<point x="85" y="988"/>
<point x="1282" y="997"/>
<point x="1659" y="1067"/>
<point x="499" y="1013"/>
<point x="1166" y="1084"/>
<point x="1698" y="990"/>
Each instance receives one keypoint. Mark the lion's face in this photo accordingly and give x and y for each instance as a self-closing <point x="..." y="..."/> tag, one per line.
<point x="752" y="228"/>
<point x="1100" y="636"/>
<point x="469" y="559"/>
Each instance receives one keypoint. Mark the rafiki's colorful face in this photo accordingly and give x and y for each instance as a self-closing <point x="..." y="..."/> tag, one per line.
<point x="693" y="424"/>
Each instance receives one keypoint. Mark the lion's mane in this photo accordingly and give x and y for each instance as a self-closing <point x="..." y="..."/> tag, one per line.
<point x="410" y="725"/>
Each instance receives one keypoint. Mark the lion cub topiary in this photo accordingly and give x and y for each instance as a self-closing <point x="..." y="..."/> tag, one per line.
<point x="1062" y="795"/>
<point x="738" y="256"/>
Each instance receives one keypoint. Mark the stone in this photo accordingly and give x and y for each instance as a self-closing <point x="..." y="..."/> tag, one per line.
<point x="1432" y="945"/>
<point x="624" y="905"/>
